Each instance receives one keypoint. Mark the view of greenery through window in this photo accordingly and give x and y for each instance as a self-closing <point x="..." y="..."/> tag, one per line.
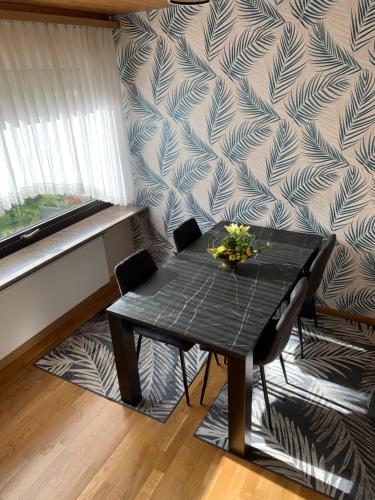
<point x="36" y="210"/>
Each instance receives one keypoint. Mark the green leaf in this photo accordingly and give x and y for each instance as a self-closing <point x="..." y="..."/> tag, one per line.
<point x="282" y="155"/>
<point x="168" y="150"/>
<point x="245" y="211"/>
<point x="184" y="97"/>
<point x="287" y="64"/>
<point x="301" y="186"/>
<point x="361" y="235"/>
<point x="366" y="154"/>
<point x="328" y="55"/>
<point x="251" y="186"/>
<point x="195" y="145"/>
<point x="243" y="139"/>
<point x="204" y="219"/>
<point x="139" y="134"/>
<point x="134" y="26"/>
<point x="192" y="65"/>
<point x="220" y="111"/>
<point x="308" y="12"/>
<point x="260" y="14"/>
<point x="242" y="52"/>
<point x="319" y="151"/>
<point x="173" y="214"/>
<point x="359" y="301"/>
<point x="162" y="71"/>
<point x="339" y="273"/>
<point x="130" y="60"/>
<point x="349" y="200"/>
<point x="148" y="177"/>
<point x="313" y="96"/>
<point x="280" y="217"/>
<point x="253" y="106"/>
<point x="175" y="21"/>
<point x="221" y="188"/>
<point x="219" y="24"/>
<point x="188" y="174"/>
<point x="360" y="111"/>
<point x="308" y="223"/>
<point x="141" y="105"/>
<point x="362" y="25"/>
<point x="367" y="265"/>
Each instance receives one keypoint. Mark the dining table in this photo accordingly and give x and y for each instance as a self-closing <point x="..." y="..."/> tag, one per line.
<point x="225" y="310"/>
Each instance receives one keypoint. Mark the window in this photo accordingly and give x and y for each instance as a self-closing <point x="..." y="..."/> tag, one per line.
<point x="38" y="217"/>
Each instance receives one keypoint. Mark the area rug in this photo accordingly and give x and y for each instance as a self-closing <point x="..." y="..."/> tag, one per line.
<point x="86" y="358"/>
<point x="323" y="420"/>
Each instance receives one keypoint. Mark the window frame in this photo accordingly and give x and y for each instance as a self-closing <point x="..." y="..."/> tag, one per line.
<point x="17" y="241"/>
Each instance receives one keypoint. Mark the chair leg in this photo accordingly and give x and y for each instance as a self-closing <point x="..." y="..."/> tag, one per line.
<point x="184" y="377"/>
<point x="282" y="362"/>
<point x="205" y="379"/>
<point x="299" y="324"/>
<point x="139" y="345"/>
<point x="216" y="359"/>
<point x="264" y="384"/>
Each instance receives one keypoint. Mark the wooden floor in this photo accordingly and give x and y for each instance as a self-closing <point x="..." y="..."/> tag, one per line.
<point x="60" y="441"/>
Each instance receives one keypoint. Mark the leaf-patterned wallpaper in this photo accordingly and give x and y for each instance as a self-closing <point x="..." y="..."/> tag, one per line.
<point x="262" y="112"/>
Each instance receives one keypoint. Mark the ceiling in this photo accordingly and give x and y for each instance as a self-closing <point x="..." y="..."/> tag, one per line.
<point x="96" y="6"/>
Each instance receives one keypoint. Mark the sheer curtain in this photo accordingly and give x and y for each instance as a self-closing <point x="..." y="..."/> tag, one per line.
<point x="61" y="123"/>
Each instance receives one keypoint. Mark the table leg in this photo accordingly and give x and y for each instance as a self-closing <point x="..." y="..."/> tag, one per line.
<point x="240" y="388"/>
<point x="126" y="359"/>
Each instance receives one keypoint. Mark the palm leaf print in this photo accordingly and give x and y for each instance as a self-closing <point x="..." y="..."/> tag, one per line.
<point x="219" y="24"/>
<point x="253" y="106"/>
<point x="168" y="149"/>
<point x="361" y="235"/>
<point x="319" y="151"/>
<point x="139" y="134"/>
<point x="184" y="98"/>
<point x="280" y="217"/>
<point x="360" y="111"/>
<point x="130" y="60"/>
<point x="360" y="301"/>
<point x="245" y="211"/>
<point x="137" y="234"/>
<point x="251" y="186"/>
<point x="152" y="14"/>
<point x="194" y="144"/>
<point x="328" y="55"/>
<point x="339" y="273"/>
<point x="308" y="12"/>
<point x="366" y="155"/>
<point x="242" y="52"/>
<point x="260" y="13"/>
<point x="204" y="219"/>
<point x="192" y="65"/>
<point x="136" y="27"/>
<point x="243" y="139"/>
<point x="287" y="64"/>
<point x="307" y="222"/>
<point x="160" y="247"/>
<point x="141" y="105"/>
<point x="372" y="55"/>
<point x="188" y="174"/>
<point x="148" y="197"/>
<point x="367" y="265"/>
<point x="220" y="111"/>
<point x="173" y="215"/>
<point x="349" y="200"/>
<point x="221" y="188"/>
<point x="282" y="155"/>
<point x="300" y="187"/>
<point x="362" y="24"/>
<point x="162" y="71"/>
<point x="148" y="176"/>
<point x="175" y="20"/>
<point x="311" y="97"/>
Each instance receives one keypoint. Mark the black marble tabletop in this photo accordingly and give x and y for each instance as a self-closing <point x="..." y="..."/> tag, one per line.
<point x="225" y="310"/>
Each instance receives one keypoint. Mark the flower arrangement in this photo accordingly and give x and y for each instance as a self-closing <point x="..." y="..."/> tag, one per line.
<point x="238" y="246"/>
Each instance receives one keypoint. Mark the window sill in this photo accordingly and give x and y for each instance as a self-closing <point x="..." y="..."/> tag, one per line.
<point x="20" y="264"/>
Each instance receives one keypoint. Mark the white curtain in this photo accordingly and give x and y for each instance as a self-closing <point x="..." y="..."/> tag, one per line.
<point x="61" y="122"/>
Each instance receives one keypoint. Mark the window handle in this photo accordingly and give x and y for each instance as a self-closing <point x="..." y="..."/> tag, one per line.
<point x="27" y="236"/>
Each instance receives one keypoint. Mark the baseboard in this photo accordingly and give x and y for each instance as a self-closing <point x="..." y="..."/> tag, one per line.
<point x="346" y="315"/>
<point x="67" y="323"/>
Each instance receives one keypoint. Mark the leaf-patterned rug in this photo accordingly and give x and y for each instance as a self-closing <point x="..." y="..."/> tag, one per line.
<point x="86" y="358"/>
<point x="324" y="420"/>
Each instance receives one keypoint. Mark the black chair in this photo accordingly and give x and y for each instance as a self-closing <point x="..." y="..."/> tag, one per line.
<point x="274" y="338"/>
<point x="131" y="273"/>
<point x="186" y="234"/>
<point x="183" y="236"/>
<point x="315" y="275"/>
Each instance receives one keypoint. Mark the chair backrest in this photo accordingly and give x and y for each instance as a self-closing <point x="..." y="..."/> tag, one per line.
<point x="186" y="234"/>
<point x="315" y="273"/>
<point x="134" y="270"/>
<point x="275" y="338"/>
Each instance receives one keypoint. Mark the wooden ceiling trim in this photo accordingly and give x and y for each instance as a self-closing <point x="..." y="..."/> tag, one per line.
<point x="18" y="15"/>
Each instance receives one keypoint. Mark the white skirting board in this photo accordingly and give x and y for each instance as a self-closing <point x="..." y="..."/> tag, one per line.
<point x="30" y="305"/>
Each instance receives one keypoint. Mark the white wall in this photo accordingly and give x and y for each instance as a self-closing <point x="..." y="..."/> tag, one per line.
<point x="31" y="304"/>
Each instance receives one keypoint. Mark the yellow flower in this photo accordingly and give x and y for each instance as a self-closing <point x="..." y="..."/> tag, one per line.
<point x="221" y="249"/>
<point x="232" y="257"/>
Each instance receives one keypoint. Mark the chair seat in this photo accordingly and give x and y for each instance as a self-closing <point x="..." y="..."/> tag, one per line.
<point x="185" y="345"/>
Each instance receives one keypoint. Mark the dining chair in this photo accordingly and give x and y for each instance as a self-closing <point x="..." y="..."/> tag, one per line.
<point x="273" y="340"/>
<point x="131" y="273"/>
<point x="184" y="235"/>
<point x="315" y="274"/>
